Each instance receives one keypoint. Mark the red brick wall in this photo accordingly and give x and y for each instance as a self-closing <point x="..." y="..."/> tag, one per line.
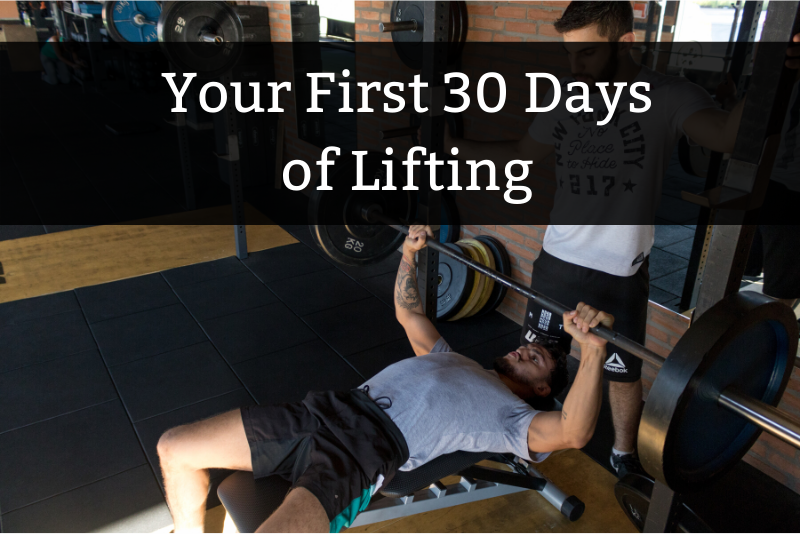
<point x="526" y="22"/>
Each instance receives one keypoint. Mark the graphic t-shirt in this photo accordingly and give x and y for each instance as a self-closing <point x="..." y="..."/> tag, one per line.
<point x="611" y="175"/>
<point x="445" y="402"/>
<point x="615" y="249"/>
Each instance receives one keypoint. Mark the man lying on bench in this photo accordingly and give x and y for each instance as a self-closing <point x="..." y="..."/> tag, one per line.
<point x="339" y="448"/>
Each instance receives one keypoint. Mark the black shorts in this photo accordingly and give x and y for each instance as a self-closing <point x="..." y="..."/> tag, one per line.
<point x="623" y="297"/>
<point x="776" y="248"/>
<point x="340" y="446"/>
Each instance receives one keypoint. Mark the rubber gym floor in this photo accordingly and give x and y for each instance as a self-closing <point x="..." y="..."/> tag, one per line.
<point x="90" y="377"/>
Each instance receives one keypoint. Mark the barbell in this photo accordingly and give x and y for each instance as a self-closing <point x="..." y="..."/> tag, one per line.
<point x="713" y="395"/>
<point x="202" y="37"/>
<point x="129" y="21"/>
<point x="407" y="28"/>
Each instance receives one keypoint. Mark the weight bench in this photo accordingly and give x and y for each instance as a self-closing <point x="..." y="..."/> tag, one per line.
<point x="250" y="501"/>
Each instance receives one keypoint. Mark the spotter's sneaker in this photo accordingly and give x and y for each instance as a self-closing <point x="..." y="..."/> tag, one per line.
<point x="626" y="464"/>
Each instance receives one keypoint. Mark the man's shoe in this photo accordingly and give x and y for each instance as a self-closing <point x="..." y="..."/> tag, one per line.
<point x="626" y="464"/>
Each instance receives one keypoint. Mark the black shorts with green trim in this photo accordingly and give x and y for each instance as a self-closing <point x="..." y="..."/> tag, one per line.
<point x="340" y="446"/>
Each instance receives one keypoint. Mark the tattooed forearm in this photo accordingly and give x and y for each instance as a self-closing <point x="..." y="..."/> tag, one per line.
<point x="406" y="292"/>
<point x="565" y="414"/>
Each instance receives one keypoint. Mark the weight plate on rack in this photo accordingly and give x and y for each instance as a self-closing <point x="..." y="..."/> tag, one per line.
<point x="487" y="259"/>
<point x="477" y="286"/>
<point x="746" y="341"/>
<point x="634" y="492"/>
<point x="503" y="265"/>
<point x="408" y="44"/>
<point x="201" y="37"/>
<point x="454" y="281"/>
<point x="133" y="22"/>
<point x="335" y="216"/>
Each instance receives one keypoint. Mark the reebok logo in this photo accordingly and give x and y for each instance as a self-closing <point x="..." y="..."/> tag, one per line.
<point x="638" y="260"/>
<point x="615" y="364"/>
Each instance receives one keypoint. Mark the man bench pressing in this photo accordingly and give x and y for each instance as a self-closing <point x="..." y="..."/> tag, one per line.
<point x="339" y="448"/>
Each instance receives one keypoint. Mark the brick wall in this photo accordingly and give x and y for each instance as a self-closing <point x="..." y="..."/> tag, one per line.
<point x="528" y="22"/>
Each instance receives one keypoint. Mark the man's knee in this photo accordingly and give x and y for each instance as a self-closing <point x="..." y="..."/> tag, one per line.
<point x="169" y="447"/>
<point x="218" y="442"/>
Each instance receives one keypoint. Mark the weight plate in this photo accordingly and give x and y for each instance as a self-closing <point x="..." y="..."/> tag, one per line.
<point x="335" y="215"/>
<point x="408" y="44"/>
<point x="746" y="341"/>
<point x="201" y="37"/>
<point x="634" y="492"/>
<point x="503" y="265"/>
<point x="477" y="286"/>
<point x="458" y="10"/>
<point x="449" y="229"/>
<point x="455" y="279"/>
<point x="133" y="22"/>
<point x="487" y="259"/>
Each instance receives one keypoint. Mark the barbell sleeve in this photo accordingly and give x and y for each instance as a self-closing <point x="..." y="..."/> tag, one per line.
<point x="374" y="213"/>
<point x="404" y="26"/>
<point x="765" y="416"/>
<point x="210" y="37"/>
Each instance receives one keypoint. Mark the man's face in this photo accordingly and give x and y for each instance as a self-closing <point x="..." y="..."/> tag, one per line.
<point x="592" y="58"/>
<point x="530" y="365"/>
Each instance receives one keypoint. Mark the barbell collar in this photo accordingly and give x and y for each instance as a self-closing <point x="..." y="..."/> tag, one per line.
<point x="210" y="37"/>
<point x="404" y="26"/>
<point x="142" y="20"/>
<point x="765" y="416"/>
<point x="372" y="214"/>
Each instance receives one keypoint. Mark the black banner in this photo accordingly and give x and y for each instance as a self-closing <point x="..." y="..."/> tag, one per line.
<point x="537" y="133"/>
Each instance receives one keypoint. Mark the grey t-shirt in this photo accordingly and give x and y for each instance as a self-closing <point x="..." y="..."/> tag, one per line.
<point x="445" y="402"/>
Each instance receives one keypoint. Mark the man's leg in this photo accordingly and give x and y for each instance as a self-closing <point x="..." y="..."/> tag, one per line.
<point x="300" y="512"/>
<point x="624" y="371"/>
<point x="781" y="257"/>
<point x="186" y="454"/>
<point x="626" y="411"/>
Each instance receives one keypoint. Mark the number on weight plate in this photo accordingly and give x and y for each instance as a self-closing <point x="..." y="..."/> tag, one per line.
<point x="354" y="245"/>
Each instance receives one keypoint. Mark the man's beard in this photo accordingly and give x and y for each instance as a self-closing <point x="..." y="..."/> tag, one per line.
<point x="503" y="366"/>
<point x="606" y="75"/>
